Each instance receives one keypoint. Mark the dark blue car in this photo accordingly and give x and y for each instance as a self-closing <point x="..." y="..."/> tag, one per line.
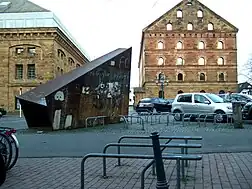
<point x="154" y="105"/>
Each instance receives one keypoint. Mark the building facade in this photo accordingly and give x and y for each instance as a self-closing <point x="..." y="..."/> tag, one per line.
<point x="35" y="47"/>
<point x="192" y="47"/>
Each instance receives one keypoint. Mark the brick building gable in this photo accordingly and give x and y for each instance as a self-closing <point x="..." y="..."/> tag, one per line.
<point x="190" y="15"/>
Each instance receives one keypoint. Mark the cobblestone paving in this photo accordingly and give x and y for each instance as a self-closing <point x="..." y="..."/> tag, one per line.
<point x="215" y="171"/>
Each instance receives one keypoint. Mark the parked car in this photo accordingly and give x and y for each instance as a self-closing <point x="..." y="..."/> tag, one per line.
<point x="243" y="98"/>
<point x="3" y="111"/>
<point x="247" y="111"/>
<point x="200" y="103"/>
<point x="154" y="105"/>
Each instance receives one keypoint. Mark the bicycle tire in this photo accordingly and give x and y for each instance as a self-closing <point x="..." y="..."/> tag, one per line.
<point x="8" y="159"/>
<point x="15" y="148"/>
<point x="2" y="170"/>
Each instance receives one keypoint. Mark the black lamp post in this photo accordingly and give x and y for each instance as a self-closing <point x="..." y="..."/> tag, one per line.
<point x="162" y="81"/>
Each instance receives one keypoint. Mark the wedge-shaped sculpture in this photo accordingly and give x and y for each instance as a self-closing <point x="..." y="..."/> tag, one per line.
<point x="98" y="88"/>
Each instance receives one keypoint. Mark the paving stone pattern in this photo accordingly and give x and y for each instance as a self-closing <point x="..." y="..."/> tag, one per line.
<point x="215" y="171"/>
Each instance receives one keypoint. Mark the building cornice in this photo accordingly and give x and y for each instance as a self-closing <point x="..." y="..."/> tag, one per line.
<point x="42" y="33"/>
<point x="69" y="46"/>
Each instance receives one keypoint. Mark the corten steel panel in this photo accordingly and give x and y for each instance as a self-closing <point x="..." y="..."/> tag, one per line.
<point x="36" y="115"/>
<point x="99" y="88"/>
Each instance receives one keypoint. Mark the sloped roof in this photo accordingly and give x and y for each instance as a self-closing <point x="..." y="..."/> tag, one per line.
<point x="48" y="88"/>
<point x="20" y="6"/>
<point x="201" y="4"/>
<point x="244" y="85"/>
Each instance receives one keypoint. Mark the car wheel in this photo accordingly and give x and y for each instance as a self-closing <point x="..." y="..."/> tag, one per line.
<point x="219" y="117"/>
<point x="177" y="115"/>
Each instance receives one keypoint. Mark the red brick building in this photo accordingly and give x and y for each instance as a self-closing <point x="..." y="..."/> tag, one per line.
<point x="193" y="47"/>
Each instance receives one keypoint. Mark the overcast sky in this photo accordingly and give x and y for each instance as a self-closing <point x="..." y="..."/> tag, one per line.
<point x="101" y="26"/>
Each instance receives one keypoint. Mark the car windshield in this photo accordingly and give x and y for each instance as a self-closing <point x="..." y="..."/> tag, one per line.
<point x="248" y="97"/>
<point x="215" y="98"/>
<point x="145" y="100"/>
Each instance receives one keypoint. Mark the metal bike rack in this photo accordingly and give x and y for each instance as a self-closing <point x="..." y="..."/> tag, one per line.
<point x="178" y="158"/>
<point x="175" y="145"/>
<point x="185" y="138"/>
<point x="94" y="118"/>
<point x="138" y="117"/>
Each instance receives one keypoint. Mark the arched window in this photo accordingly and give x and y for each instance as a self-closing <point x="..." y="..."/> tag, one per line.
<point x="221" y="77"/>
<point x="220" y="61"/>
<point x="201" y="61"/>
<point x="160" y="61"/>
<point x="169" y="26"/>
<point x="202" y="77"/>
<point x="220" y="45"/>
<point x="70" y="61"/>
<point x="179" y="14"/>
<point x="180" y="61"/>
<point x="210" y="26"/>
<point x="201" y="45"/>
<point x="180" y="77"/>
<point x="179" y="45"/>
<point x="200" y="14"/>
<point x="160" y="45"/>
<point x="189" y="26"/>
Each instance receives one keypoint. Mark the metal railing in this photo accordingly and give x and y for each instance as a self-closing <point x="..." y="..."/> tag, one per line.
<point x="94" y="118"/>
<point x="152" y="163"/>
<point x="175" y="145"/>
<point x="185" y="138"/>
<point x="173" y="119"/>
<point x="139" y="119"/>
<point x="178" y="158"/>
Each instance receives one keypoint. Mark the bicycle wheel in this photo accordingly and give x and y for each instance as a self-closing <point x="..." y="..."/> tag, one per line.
<point x="15" y="151"/>
<point x="5" y="149"/>
<point x="2" y="170"/>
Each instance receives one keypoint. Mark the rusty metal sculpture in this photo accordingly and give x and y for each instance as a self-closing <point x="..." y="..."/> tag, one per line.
<point x="99" y="88"/>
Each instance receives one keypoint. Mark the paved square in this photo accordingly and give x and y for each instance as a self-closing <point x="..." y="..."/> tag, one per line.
<point x="219" y="170"/>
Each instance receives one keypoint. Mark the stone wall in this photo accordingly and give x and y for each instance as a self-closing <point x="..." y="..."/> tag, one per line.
<point x="14" y="50"/>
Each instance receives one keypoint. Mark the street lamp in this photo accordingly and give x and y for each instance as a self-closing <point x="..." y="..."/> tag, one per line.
<point x="162" y="81"/>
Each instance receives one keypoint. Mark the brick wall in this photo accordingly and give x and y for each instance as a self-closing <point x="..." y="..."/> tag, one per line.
<point x="46" y="41"/>
<point x="157" y="33"/>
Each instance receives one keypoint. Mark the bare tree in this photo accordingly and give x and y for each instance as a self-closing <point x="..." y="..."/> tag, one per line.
<point x="246" y="70"/>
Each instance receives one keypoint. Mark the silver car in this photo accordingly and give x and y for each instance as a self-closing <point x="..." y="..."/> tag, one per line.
<point x="200" y="103"/>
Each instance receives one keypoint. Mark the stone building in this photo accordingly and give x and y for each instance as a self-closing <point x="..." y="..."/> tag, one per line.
<point x="193" y="47"/>
<point x="35" y="47"/>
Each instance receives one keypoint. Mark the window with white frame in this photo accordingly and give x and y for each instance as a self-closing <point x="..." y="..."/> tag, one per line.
<point x="199" y="13"/>
<point x="180" y="61"/>
<point x="180" y="77"/>
<point x="210" y="26"/>
<point x="160" y="61"/>
<point x="201" y="45"/>
<point x="179" y="45"/>
<point x="220" y="45"/>
<point x="189" y="26"/>
<point x="160" y="45"/>
<point x="169" y="26"/>
<point x="220" y="61"/>
<point x="202" y="77"/>
<point x="201" y="61"/>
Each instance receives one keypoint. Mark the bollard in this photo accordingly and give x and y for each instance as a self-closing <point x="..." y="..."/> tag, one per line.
<point x="161" y="179"/>
<point x="237" y="115"/>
